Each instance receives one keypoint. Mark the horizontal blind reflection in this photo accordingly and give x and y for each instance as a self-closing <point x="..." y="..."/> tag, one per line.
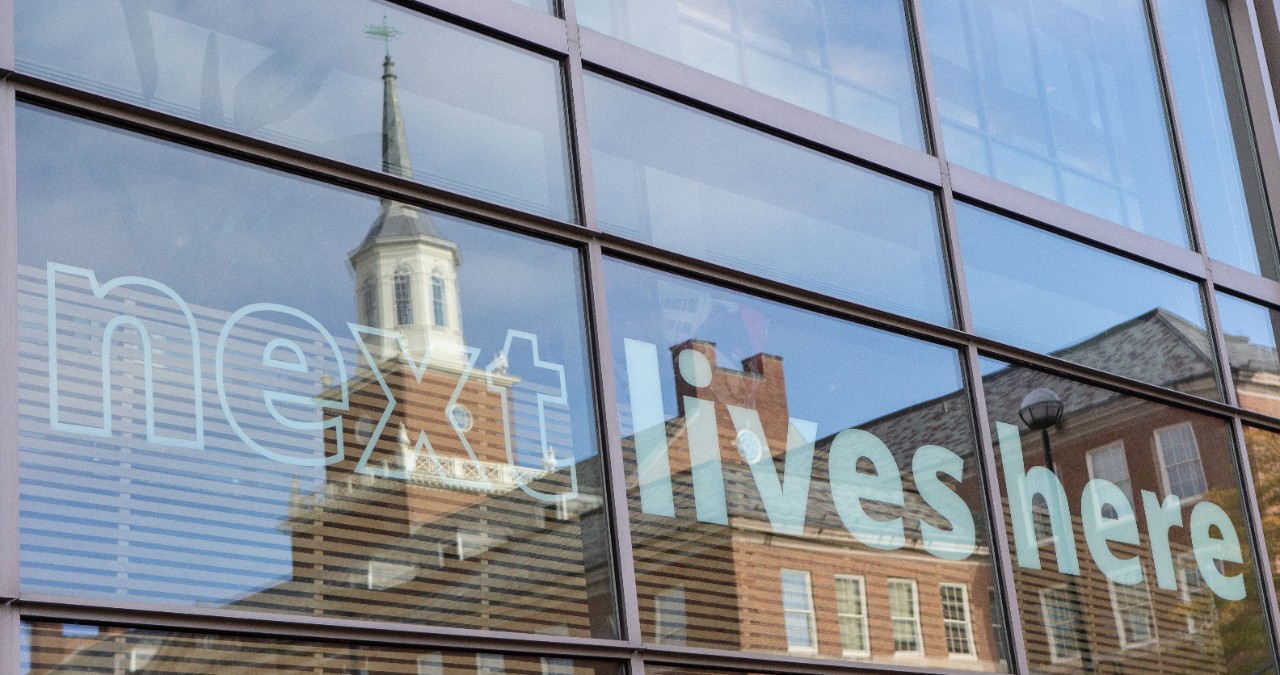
<point x="121" y="517"/>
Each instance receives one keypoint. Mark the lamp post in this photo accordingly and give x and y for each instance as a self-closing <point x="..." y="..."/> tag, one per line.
<point x="1041" y="409"/>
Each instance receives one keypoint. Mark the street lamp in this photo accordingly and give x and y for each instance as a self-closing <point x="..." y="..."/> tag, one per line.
<point x="1041" y="409"/>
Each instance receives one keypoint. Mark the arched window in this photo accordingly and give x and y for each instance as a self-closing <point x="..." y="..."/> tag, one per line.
<point x="404" y="297"/>
<point x="439" y="309"/>
<point x="369" y="302"/>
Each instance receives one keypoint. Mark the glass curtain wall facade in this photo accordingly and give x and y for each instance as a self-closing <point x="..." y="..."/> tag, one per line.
<point x="639" y="336"/>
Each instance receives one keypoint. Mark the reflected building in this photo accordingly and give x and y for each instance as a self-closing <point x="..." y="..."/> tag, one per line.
<point x="451" y="502"/>
<point x="441" y="520"/>
<point x="437" y="511"/>
<point x="741" y="585"/>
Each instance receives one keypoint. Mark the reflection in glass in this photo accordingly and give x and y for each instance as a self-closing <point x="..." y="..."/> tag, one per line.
<point x="548" y="6"/>
<point x="1050" y="294"/>
<point x="1059" y="97"/>
<point x="1250" y="331"/>
<point x="72" y="648"/>
<point x="850" y="61"/>
<point x="1218" y="138"/>
<point x="793" y="474"/>
<point x="704" y="187"/>
<point x="1163" y="582"/>
<point x="203" y="423"/>
<point x="484" y="119"/>
<point x="1264" y="460"/>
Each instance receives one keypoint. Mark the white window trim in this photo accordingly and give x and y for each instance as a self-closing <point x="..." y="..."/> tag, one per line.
<point x="1120" y="627"/>
<point x="668" y="594"/>
<point x="1186" y="561"/>
<point x="1051" y="633"/>
<point x="915" y="602"/>
<point x="813" y="618"/>
<point x="1088" y="456"/>
<point x="1164" y="470"/>
<point x="866" y="629"/>
<point x="972" y="654"/>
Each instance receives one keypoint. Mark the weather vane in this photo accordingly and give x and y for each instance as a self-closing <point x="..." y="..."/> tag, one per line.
<point x="382" y="31"/>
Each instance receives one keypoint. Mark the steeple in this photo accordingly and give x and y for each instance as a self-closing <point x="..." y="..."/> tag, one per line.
<point x="405" y="269"/>
<point x="395" y="145"/>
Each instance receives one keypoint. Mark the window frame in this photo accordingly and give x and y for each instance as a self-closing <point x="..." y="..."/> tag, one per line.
<point x="966" y="607"/>
<point x="1051" y="627"/>
<point x="1122" y="627"/>
<point x="810" y="614"/>
<point x="914" y="619"/>
<point x="402" y="295"/>
<point x="661" y="611"/>
<point x="1165" y="480"/>
<point x="862" y="607"/>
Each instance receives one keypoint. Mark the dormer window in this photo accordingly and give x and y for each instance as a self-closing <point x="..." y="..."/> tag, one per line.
<point x="404" y="297"/>
<point x="439" y="308"/>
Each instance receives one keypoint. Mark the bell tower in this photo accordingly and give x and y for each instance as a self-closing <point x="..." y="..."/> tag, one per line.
<point x="406" y="271"/>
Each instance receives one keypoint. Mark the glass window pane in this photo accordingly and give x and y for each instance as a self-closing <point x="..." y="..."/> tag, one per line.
<point x="309" y="74"/>
<point x="701" y="186"/>
<point x="1106" y="587"/>
<point x="548" y="6"/>
<point x="1264" y="459"/>
<point x="1217" y="136"/>
<point x="1250" y="331"/>
<point x="850" y="61"/>
<point x="204" y="424"/>
<point x="122" y="650"/>
<point x="772" y="452"/>
<point x="1039" y="291"/>
<point x="851" y="604"/>
<point x="1059" y="97"/>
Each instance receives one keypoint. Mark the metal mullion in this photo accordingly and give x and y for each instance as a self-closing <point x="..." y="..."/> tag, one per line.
<point x="615" y="469"/>
<point x="1182" y="167"/>
<point x="1260" y="420"/>
<point x="10" y="640"/>
<point x="1244" y="283"/>
<point x="769" y="289"/>
<point x="1262" y="561"/>
<point x="578" y="132"/>
<point x="9" y="573"/>
<point x="628" y="599"/>
<point x="1017" y="640"/>
<point x="295" y="162"/>
<point x="1002" y="567"/>
<point x="971" y="186"/>
<point x="704" y="91"/>
<point x="1219" y="341"/>
<point x="501" y="19"/>
<point x="1260" y="97"/>
<point x="635" y="665"/>
<point x="308" y="627"/>
<point x="1119" y="383"/>
<point x="10" y="624"/>
<point x="6" y="35"/>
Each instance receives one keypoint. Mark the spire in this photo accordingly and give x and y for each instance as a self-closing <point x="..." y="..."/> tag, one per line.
<point x="395" y="145"/>
<point x="395" y="219"/>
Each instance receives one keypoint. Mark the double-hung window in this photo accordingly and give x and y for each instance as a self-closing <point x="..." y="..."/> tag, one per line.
<point x="797" y="609"/>
<point x="956" y="620"/>
<point x="904" y="614"/>
<point x="851" y="607"/>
